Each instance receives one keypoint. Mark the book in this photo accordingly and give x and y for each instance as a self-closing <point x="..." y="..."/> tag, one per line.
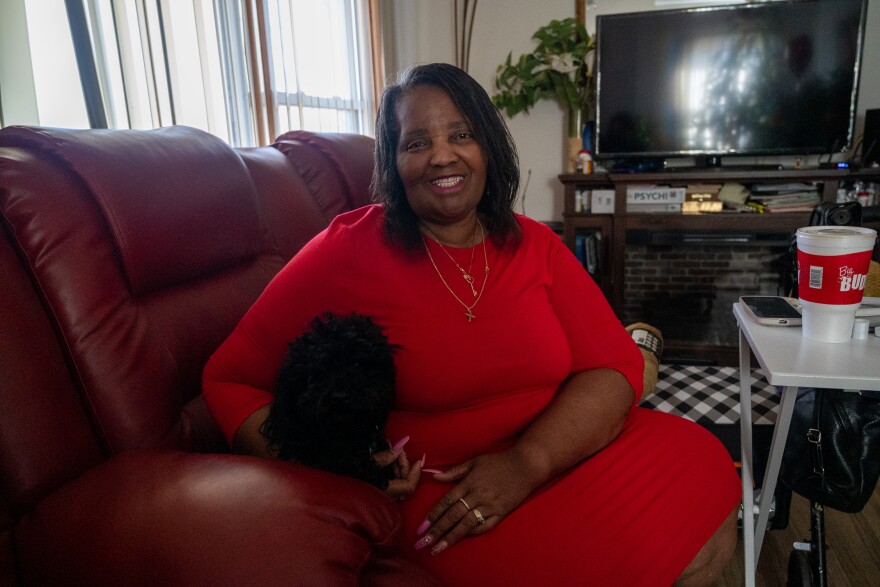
<point x="801" y="201"/>
<point x="785" y="198"/>
<point x="653" y="208"/>
<point x="702" y="199"/>
<point x="702" y="206"/>
<point x="702" y="190"/>
<point x="587" y="250"/>
<point x="592" y="253"/>
<point x="782" y="187"/>
<point x="580" y="248"/>
<point x="654" y="194"/>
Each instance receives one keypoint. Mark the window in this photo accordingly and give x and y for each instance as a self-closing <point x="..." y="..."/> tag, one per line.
<point x="59" y="99"/>
<point x="317" y="53"/>
<point x="244" y="70"/>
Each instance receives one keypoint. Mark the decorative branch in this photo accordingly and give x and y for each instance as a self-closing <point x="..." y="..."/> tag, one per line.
<point x="464" y="31"/>
<point x="455" y="32"/>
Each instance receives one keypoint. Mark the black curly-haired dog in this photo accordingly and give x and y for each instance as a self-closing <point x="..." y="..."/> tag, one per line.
<point x="333" y="394"/>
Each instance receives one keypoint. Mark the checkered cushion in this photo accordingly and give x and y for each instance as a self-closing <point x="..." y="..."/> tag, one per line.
<point x="710" y="395"/>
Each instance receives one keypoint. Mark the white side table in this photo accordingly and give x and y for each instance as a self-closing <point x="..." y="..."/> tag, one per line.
<point x="789" y="361"/>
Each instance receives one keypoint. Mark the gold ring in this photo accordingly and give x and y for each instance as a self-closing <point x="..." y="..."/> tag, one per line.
<point x="461" y="499"/>
<point x="480" y="519"/>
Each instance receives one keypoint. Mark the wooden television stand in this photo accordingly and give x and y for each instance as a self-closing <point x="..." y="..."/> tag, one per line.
<point x="615" y="226"/>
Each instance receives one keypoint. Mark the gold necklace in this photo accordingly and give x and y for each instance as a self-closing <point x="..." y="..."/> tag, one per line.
<point x="469" y="310"/>
<point x="465" y="274"/>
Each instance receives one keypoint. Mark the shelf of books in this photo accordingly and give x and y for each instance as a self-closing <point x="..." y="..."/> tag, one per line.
<point x="600" y="208"/>
<point x="588" y="236"/>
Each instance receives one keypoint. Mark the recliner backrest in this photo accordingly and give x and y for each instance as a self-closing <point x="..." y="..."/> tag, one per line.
<point x="130" y="256"/>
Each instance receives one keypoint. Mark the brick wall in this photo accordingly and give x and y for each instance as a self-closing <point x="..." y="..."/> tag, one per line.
<point x="687" y="291"/>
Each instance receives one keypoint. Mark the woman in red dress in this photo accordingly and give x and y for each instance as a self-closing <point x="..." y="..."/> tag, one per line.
<point x="515" y="378"/>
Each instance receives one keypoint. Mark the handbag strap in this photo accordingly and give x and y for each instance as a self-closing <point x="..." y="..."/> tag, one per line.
<point x="814" y="437"/>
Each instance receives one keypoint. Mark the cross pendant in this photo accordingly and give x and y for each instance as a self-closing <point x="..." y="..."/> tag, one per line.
<point x="470" y="315"/>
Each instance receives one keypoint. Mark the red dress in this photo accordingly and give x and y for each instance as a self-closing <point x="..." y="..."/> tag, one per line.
<point x="636" y="513"/>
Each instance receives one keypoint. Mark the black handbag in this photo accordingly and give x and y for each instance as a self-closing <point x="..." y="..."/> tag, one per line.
<point x="832" y="455"/>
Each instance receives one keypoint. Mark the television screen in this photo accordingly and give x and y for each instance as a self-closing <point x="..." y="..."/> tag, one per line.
<point x="750" y="79"/>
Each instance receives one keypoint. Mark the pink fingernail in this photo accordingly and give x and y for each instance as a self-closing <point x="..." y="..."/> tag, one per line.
<point x="423" y="527"/>
<point x="423" y="542"/>
<point x="441" y="546"/>
<point x="430" y="470"/>
<point x="424" y="456"/>
<point x="400" y="444"/>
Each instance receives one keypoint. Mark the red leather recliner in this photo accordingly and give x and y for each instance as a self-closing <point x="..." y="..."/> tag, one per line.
<point x="126" y="257"/>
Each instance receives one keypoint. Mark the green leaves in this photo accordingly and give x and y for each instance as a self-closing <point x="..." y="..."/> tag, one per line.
<point x="559" y="68"/>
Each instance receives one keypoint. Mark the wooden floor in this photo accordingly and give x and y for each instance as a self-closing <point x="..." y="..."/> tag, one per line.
<point x="853" y="547"/>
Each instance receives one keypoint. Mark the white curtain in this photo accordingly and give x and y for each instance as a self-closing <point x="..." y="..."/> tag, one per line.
<point x="244" y="70"/>
<point x="319" y="65"/>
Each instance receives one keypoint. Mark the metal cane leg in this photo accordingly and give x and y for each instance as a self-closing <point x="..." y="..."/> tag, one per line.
<point x="817" y="538"/>
<point x="745" y="421"/>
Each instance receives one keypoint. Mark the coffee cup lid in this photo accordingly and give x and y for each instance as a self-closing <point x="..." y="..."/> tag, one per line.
<point x="857" y="237"/>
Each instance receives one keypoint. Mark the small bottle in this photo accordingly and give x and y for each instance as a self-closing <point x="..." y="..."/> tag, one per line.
<point x="585" y="161"/>
<point x="868" y="195"/>
<point x="579" y="201"/>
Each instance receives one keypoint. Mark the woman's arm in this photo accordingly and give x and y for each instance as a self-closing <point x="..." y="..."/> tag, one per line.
<point x="249" y="439"/>
<point x="586" y="415"/>
<point x="583" y="418"/>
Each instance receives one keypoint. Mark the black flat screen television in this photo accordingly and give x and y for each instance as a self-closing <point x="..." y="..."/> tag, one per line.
<point x="771" y="78"/>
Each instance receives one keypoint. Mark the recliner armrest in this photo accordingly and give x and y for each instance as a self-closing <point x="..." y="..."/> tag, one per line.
<point x="173" y="518"/>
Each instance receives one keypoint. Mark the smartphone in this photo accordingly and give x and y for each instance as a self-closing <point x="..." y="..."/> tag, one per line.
<point x="772" y="310"/>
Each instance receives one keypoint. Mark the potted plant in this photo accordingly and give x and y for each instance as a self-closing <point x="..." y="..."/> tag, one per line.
<point x="560" y="68"/>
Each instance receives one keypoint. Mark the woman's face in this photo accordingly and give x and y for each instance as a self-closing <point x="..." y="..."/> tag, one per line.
<point x="442" y="166"/>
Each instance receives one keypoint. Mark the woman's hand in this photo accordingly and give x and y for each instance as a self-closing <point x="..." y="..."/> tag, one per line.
<point x="406" y="474"/>
<point x="586" y="414"/>
<point x="490" y="487"/>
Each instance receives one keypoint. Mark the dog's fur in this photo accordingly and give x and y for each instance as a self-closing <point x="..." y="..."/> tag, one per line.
<point x="333" y="394"/>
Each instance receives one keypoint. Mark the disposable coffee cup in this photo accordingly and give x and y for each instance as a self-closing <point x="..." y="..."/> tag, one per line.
<point x="833" y="266"/>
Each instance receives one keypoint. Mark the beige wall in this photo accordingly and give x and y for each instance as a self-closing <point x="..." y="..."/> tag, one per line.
<point x="425" y="34"/>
